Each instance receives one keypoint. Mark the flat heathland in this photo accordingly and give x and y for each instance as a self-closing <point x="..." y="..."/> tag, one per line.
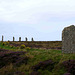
<point x="17" y="58"/>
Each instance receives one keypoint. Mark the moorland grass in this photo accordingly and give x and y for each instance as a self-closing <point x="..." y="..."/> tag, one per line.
<point x="35" y="56"/>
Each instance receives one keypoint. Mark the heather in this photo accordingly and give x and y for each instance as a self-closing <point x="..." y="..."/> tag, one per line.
<point x="37" y="44"/>
<point x="7" y="57"/>
<point x="70" y="66"/>
<point x="15" y="60"/>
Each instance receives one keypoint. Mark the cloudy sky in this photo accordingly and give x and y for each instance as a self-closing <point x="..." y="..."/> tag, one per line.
<point x="43" y="20"/>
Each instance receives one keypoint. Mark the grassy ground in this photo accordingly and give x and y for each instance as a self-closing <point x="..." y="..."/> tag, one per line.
<point x="35" y="56"/>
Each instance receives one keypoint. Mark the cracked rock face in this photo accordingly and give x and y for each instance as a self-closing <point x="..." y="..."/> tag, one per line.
<point x="68" y="39"/>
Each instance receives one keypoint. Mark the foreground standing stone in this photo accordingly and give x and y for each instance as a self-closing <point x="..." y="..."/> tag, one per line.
<point x="68" y="39"/>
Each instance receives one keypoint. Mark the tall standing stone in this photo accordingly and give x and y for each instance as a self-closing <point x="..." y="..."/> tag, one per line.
<point x="68" y="39"/>
<point x="19" y="38"/>
<point x="26" y="39"/>
<point x="13" y="39"/>
<point x="32" y="39"/>
<point x="2" y="38"/>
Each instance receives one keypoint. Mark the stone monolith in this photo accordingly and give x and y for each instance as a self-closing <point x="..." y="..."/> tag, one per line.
<point x="68" y="39"/>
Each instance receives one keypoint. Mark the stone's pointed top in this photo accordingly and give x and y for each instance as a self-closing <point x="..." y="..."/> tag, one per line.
<point x="70" y="28"/>
<point x="72" y="25"/>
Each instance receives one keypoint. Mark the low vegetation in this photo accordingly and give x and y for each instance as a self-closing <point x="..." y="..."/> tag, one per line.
<point x="22" y="46"/>
<point x="29" y="61"/>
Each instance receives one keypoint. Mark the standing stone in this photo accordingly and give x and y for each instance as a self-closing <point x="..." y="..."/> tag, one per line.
<point x="32" y="39"/>
<point x="68" y="39"/>
<point x="19" y="38"/>
<point x="26" y="39"/>
<point x="13" y="39"/>
<point x="2" y="38"/>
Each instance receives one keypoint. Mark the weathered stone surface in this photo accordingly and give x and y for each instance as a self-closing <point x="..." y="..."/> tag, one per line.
<point x="68" y="39"/>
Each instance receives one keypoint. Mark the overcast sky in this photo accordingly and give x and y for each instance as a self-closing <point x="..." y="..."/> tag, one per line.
<point x="43" y="20"/>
